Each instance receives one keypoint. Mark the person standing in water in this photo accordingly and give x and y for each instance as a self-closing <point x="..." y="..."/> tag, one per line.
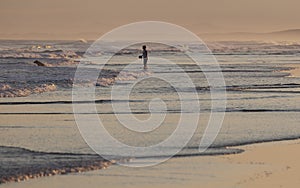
<point x="145" y="57"/>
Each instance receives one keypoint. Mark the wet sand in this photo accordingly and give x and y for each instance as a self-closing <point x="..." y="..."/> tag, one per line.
<point x="273" y="164"/>
<point x="295" y="71"/>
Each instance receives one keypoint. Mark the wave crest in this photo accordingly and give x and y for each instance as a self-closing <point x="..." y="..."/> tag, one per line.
<point x="7" y="90"/>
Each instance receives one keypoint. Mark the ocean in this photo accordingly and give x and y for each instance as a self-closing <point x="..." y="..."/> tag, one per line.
<point x="39" y="134"/>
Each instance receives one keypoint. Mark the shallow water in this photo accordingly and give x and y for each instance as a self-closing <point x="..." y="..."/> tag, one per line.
<point x="262" y="102"/>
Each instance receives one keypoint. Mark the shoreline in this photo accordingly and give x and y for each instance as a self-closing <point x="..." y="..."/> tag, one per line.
<point x="294" y="71"/>
<point x="52" y="172"/>
<point x="103" y="164"/>
<point x="260" y="164"/>
<point x="37" y="164"/>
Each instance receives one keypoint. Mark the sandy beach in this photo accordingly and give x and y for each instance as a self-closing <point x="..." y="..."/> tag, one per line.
<point x="273" y="164"/>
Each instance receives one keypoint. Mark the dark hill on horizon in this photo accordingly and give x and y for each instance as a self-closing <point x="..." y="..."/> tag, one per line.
<point x="284" y="35"/>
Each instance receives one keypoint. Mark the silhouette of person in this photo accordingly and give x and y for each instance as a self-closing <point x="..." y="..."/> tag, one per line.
<point x="145" y="57"/>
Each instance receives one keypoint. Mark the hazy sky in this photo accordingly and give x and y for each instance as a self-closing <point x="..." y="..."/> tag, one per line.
<point x="69" y="18"/>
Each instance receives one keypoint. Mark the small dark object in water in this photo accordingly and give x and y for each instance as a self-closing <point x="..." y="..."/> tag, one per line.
<point x="39" y="63"/>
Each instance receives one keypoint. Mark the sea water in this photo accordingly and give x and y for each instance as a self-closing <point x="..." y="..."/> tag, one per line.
<point x="37" y="120"/>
